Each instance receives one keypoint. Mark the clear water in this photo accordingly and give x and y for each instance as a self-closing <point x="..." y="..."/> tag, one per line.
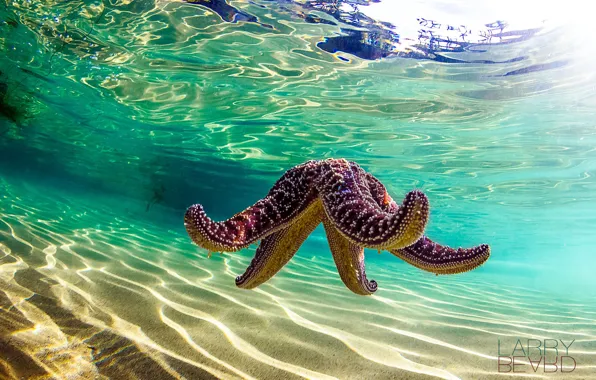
<point x="117" y="115"/>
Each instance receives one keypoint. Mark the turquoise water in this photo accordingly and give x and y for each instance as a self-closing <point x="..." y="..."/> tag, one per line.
<point x="118" y="115"/>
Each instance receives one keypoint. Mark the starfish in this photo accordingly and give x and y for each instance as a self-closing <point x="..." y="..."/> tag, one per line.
<point x="356" y="212"/>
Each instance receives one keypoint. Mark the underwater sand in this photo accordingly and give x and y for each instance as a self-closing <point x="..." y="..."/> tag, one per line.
<point x="92" y="291"/>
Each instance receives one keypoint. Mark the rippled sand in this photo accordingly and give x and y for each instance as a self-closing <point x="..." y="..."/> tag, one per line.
<point x="90" y="291"/>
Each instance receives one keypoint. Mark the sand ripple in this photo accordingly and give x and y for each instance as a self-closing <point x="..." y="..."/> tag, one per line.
<point x="92" y="292"/>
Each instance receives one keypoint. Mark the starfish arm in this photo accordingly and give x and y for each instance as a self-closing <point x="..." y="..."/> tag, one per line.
<point x="288" y="198"/>
<point x="278" y="248"/>
<point x="432" y="257"/>
<point x="351" y="207"/>
<point x="426" y="254"/>
<point x="349" y="259"/>
<point x="367" y="225"/>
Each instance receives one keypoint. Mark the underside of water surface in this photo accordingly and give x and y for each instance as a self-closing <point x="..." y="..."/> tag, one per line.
<point x="116" y="116"/>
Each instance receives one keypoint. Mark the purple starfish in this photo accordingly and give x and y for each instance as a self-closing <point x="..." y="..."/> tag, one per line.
<point x="357" y="213"/>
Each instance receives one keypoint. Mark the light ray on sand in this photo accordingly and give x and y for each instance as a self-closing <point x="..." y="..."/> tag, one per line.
<point x="368" y="349"/>
<point x="236" y="341"/>
<point x="182" y="331"/>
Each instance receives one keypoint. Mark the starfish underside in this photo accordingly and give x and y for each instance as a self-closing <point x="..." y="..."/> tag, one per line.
<point x="356" y="212"/>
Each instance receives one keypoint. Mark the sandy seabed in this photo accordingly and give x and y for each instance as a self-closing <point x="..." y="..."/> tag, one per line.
<point x="86" y="292"/>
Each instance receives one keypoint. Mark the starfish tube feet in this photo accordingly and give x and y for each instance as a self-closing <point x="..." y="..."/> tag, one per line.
<point x="230" y="235"/>
<point x="278" y="248"/>
<point x="367" y="225"/>
<point x="409" y="221"/>
<point x="432" y="257"/>
<point x="201" y="229"/>
<point x="349" y="260"/>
